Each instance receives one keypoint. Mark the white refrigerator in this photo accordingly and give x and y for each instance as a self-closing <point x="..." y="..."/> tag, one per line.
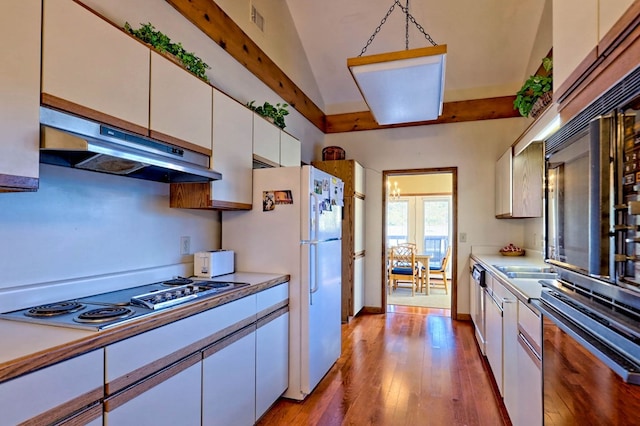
<point x="295" y="228"/>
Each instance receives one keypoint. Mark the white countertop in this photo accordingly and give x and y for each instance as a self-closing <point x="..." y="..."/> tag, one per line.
<point x="24" y="340"/>
<point x="525" y="288"/>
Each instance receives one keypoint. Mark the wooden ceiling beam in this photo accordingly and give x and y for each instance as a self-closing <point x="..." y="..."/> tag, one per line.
<point x="211" y="20"/>
<point x="452" y="112"/>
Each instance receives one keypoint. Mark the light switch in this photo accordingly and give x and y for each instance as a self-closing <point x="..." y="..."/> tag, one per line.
<point x="463" y="237"/>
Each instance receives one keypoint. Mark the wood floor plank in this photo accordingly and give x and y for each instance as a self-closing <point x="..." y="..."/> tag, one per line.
<point x="411" y="366"/>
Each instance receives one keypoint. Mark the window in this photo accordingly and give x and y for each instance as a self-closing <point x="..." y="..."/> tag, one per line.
<point x="397" y="222"/>
<point x="436" y="226"/>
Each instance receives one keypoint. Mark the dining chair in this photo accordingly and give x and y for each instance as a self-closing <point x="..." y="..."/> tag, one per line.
<point x="403" y="267"/>
<point x="439" y="269"/>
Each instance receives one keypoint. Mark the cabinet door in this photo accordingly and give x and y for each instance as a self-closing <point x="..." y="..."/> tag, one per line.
<point x="232" y="150"/>
<point x="358" y="226"/>
<point x="228" y="380"/>
<point x="272" y="359"/>
<point x="289" y="150"/>
<point x="572" y="17"/>
<point x="53" y="392"/>
<point x="266" y="141"/>
<point x="511" y="379"/>
<point x="359" y="178"/>
<point x="180" y="105"/>
<point x="503" y="184"/>
<point x="169" y="398"/>
<point x="358" y="285"/>
<point x="494" y="338"/>
<point x="92" y="68"/>
<point x="527" y="191"/>
<point x="529" y="391"/>
<point x="20" y="88"/>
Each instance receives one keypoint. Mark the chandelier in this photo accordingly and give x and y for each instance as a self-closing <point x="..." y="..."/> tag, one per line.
<point x="404" y="86"/>
<point x="394" y="192"/>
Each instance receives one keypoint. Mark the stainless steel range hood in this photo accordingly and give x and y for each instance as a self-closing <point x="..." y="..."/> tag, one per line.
<point x="71" y="141"/>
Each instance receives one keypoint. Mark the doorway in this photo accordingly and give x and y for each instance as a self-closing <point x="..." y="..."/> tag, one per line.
<point x="420" y="208"/>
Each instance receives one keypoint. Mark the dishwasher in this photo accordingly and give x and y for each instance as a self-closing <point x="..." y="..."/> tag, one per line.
<point x="478" y="297"/>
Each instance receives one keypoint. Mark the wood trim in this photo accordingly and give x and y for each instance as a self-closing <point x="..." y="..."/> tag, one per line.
<point x="139" y="374"/>
<point x="180" y="142"/>
<point x="272" y="316"/>
<point x="615" y="56"/>
<point x="91" y="114"/>
<point x="211" y="20"/>
<point x="84" y="417"/>
<point x="36" y="361"/>
<point x="63" y="410"/>
<point x="425" y="194"/>
<point x="371" y="310"/>
<point x="162" y="376"/>
<point x="440" y="49"/>
<point x="452" y="112"/>
<point x="463" y="317"/>
<point x="10" y="183"/>
<point x="228" y="341"/>
<point x="271" y="309"/>
<point x="198" y="196"/>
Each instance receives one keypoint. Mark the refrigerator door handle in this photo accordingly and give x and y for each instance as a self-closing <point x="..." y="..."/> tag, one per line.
<point x="314" y="245"/>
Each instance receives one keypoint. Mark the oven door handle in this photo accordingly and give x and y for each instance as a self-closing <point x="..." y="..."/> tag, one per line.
<point x="621" y="365"/>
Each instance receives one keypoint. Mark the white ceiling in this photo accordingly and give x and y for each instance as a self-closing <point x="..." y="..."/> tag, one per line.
<point x="489" y="42"/>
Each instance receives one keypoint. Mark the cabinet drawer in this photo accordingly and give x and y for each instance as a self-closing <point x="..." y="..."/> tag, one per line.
<point x="53" y="392"/>
<point x="271" y="298"/>
<point x="137" y="357"/>
<point x="530" y="323"/>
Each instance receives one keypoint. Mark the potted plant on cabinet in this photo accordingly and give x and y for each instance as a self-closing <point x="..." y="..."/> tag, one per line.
<point x="174" y="51"/>
<point x="536" y="93"/>
<point x="274" y="113"/>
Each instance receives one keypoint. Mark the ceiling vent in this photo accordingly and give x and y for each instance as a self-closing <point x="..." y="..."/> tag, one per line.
<point x="257" y="18"/>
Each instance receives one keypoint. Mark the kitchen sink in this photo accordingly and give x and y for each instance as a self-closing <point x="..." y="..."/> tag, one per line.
<point x="519" y="269"/>
<point x="533" y="275"/>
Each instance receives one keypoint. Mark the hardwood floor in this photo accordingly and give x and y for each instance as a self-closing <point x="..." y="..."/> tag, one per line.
<point x="412" y="366"/>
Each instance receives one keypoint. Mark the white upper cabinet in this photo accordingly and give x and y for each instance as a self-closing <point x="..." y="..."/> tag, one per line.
<point x="20" y="88"/>
<point x="93" y="68"/>
<point x="180" y="105"/>
<point x="289" y="150"/>
<point x="232" y="155"/>
<point x="519" y="181"/>
<point x="578" y="27"/>
<point x="266" y="141"/>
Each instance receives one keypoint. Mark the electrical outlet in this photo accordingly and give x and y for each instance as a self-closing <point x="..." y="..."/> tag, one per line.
<point x="185" y="245"/>
<point x="463" y="237"/>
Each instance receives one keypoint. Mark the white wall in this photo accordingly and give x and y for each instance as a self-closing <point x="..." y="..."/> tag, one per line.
<point x="473" y="148"/>
<point x="81" y="224"/>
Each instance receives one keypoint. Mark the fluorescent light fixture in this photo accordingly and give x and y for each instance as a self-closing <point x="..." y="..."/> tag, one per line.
<point x="404" y="86"/>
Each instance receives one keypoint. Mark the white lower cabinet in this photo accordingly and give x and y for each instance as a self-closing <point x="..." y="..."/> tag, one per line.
<point x="172" y="397"/>
<point x="53" y="393"/>
<point x="511" y="379"/>
<point x="528" y="355"/>
<point x="229" y="380"/>
<point x="272" y="359"/>
<point x="494" y="332"/>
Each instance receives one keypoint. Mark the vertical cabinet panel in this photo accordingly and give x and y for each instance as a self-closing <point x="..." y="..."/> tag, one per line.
<point x="503" y="184"/>
<point x="511" y="379"/>
<point x="289" y="150"/>
<point x="494" y="335"/>
<point x="92" y="64"/>
<point x="228" y="380"/>
<point x="358" y="284"/>
<point x="358" y="226"/>
<point x="232" y="148"/>
<point x="20" y="88"/>
<point x="180" y="104"/>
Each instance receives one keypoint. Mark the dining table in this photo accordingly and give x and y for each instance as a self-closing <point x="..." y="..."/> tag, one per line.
<point x="423" y="258"/>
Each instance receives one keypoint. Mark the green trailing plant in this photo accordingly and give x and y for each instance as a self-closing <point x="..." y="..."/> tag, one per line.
<point x="534" y="88"/>
<point x="162" y="43"/>
<point x="275" y="112"/>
